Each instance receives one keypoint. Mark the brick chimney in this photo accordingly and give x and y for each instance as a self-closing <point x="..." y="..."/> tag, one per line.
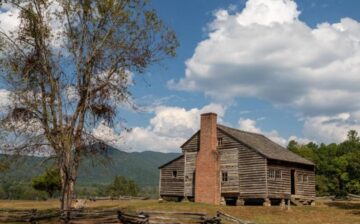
<point x="207" y="176"/>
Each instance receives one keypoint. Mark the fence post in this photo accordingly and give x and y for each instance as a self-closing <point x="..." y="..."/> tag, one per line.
<point x="65" y="216"/>
<point x="32" y="219"/>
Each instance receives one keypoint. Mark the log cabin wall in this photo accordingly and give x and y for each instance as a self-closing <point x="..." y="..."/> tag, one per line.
<point x="190" y="149"/>
<point x="172" y="184"/>
<point x="252" y="173"/>
<point x="229" y="172"/>
<point x="190" y="158"/>
<point x="250" y="165"/>
<point x="281" y="187"/>
<point x="305" y="187"/>
<point x="193" y="144"/>
<point x="228" y="163"/>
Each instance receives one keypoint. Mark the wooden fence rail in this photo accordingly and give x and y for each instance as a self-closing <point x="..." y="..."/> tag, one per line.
<point x="114" y="216"/>
<point x="224" y="216"/>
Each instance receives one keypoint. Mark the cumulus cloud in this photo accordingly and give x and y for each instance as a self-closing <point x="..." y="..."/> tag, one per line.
<point x="330" y="129"/>
<point x="4" y="99"/>
<point x="9" y="20"/>
<point x="266" y="52"/>
<point x="168" y="129"/>
<point x="250" y="125"/>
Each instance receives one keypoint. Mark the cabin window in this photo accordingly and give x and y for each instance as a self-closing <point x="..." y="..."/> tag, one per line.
<point x="219" y="141"/>
<point x="224" y="176"/>
<point x="271" y="174"/>
<point x="300" y="178"/>
<point x="306" y="179"/>
<point x="174" y="173"/>
<point x="278" y="175"/>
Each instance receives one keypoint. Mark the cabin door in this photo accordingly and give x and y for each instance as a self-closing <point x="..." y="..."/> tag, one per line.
<point x="292" y="181"/>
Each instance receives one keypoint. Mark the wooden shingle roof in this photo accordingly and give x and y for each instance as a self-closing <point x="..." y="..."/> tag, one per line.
<point x="179" y="157"/>
<point x="264" y="146"/>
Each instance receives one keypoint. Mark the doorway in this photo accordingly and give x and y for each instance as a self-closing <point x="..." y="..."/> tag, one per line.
<point x="292" y="181"/>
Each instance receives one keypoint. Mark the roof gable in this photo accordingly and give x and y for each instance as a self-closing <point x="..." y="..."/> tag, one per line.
<point x="189" y="140"/>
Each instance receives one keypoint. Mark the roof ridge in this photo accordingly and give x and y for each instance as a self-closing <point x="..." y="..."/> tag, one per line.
<point x="235" y="129"/>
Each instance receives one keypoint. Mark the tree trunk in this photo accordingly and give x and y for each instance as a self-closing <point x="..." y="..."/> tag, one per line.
<point x="68" y="177"/>
<point x="67" y="192"/>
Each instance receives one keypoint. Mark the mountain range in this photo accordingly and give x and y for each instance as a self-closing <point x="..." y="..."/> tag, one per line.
<point x="142" y="167"/>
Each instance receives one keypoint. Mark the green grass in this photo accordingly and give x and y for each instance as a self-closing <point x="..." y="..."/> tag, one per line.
<point x="343" y="212"/>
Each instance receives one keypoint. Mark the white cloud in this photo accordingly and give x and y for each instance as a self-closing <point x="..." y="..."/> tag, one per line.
<point x="250" y="125"/>
<point x="330" y="129"/>
<point x="278" y="58"/>
<point x="266" y="52"/>
<point x="108" y="135"/>
<point x="167" y="130"/>
<point x="4" y="99"/>
<point x="300" y="140"/>
<point x="9" y="20"/>
<point x="265" y="12"/>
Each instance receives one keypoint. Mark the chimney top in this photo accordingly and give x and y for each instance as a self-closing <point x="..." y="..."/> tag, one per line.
<point x="209" y="114"/>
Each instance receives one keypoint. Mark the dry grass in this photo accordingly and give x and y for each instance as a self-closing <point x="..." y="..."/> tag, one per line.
<point x="324" y="212"/>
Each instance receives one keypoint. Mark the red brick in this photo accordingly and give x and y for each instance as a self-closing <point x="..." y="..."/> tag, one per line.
<point x="207" y="179"/>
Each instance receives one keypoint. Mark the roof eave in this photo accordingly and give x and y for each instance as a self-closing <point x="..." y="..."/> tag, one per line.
<point x="173" y="160"/>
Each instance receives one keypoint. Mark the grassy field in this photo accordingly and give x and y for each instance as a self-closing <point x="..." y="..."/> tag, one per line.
<point x="341" y="212"/>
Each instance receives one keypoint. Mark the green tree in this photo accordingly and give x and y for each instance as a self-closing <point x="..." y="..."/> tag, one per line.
<point x="292" y="145"/>
<point x="68" y="67"/>
<point x="49" y="182"/>
<point x="337" y="165"/>
<point x="123" y="187"/>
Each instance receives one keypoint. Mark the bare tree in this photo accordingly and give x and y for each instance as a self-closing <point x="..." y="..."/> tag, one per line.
<point x="68" y="66"/>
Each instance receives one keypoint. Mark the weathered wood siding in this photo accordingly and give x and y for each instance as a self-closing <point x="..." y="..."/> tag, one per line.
<point x="190" y="159"/>
<point x="279" y="188"/>
<point x="229" y="164"/>
<point x="193" y="144"/>
<point x="252" y="173"/>
<point x="190" y="149"/>
<point x="170" y="185"/>
<point x="305" y="189"/>
<point x="250" y="167"/>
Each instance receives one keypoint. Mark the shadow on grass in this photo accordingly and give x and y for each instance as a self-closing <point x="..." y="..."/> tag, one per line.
<point x="347" y="205"/>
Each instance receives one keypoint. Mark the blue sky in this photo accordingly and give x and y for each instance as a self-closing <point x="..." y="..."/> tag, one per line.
<point x="287" y="69"/>
<point x="190" y="20"/>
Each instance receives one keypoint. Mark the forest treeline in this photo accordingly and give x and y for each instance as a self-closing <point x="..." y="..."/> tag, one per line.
<point x="47" y="186"/>
<point x="337" y="166"/>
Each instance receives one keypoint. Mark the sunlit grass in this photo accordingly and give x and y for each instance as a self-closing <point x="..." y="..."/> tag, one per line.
<point x="324" y="212"/>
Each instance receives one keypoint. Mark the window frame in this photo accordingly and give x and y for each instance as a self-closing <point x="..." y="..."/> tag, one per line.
<point x="305" y="178"/>
<point x="300" y="178"/>
<point x="224" y="176"/>
<point x="271" y="174"/>
<point x="219" y="141"/>
<point x="174" y="174"/>
<point x="278" y="177"/>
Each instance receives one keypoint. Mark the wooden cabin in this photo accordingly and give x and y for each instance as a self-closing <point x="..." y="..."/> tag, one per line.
<point x="222" y="165"/>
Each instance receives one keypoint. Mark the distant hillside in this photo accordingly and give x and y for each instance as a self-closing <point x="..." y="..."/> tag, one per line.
<point x="142" y="167"/>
